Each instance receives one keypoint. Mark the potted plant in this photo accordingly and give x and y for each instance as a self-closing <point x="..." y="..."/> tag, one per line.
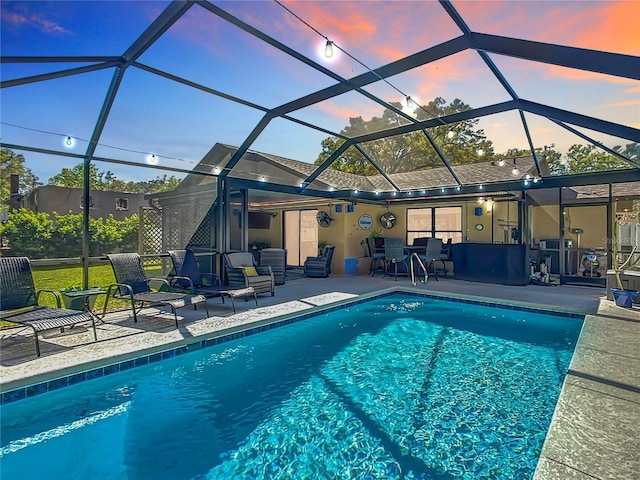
<point x="321" y="245"/>
<point x="623" y="297"/>
<point x="378" y="240"/>
<point x="365" y="250"/>
<point x="74" y="300"/>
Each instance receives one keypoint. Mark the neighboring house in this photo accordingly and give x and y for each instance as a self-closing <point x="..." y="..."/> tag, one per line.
<point x="50" y="198"/>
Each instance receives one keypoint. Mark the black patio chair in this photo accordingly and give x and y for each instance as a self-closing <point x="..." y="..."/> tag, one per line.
<point x="132" y="284"/>
<point x="395" y="258"/>
<point x="188" y="276"/>
<point x="19" y="301"/>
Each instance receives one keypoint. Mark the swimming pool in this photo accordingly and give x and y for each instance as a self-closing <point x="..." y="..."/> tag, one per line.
<point x="400" y="385"/>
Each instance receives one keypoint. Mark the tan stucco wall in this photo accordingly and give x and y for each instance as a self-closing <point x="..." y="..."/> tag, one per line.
<point x="345" y="233"/>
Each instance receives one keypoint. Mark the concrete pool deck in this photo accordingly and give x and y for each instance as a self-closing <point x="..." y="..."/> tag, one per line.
<point x="594" y="431"/>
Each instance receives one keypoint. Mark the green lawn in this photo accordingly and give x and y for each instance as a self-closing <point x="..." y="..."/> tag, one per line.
<point x="57" y="278"/>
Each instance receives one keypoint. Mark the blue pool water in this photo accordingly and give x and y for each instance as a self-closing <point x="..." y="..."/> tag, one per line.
<point x="396" y="387"/>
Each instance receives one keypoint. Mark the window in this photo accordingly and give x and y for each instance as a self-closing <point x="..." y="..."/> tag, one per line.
<point x="122" y="204"/>
<point x="439" y="222"/>
<point x="91" y="202"/>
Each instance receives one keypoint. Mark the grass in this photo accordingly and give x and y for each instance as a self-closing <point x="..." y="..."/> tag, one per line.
<point x="57" y="278"/>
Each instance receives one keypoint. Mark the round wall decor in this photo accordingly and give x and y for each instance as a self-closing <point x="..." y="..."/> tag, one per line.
<point x="365" y="222"/>
<point x="388" y="220"/>
<point x="323" y="218"/>
<point x="479" y="227"/>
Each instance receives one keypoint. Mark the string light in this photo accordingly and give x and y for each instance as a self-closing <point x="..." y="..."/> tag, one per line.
<point x="73" y="140"/>
<point x="328" y="49"/>
<point x="330" y="44"/>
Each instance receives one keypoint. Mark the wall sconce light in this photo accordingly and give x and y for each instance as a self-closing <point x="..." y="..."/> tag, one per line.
<point x="489" y="205"/>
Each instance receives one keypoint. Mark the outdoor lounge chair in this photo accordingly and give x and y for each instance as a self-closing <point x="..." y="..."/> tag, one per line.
<point x="19" y="301"/>
<point x="319" y="266"/>
<point x="132" y="284"/>
<point x="188" y="276"/>
<point x="242" y="272"/>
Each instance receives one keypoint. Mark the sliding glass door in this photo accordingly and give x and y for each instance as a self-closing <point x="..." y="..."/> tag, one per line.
<point x="300" y="236"/>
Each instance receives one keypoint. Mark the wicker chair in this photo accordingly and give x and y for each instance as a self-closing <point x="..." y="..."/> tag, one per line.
<point x="319" y="266"/>
<point x="242" y="272"/>
<point x="276" y="258"/>
<point x="19" y="301"/>
<point x="132" y="284"/>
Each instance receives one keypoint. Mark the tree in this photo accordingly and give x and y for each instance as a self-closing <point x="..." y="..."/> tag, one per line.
<point x="589" y="159"/>
<point x="13" y="163"/>
<point x="98" y="180"/>
<point x="74" y="178"/>
<point x="459" y="143"/>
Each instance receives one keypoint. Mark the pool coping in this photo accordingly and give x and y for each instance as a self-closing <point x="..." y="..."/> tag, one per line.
<point x="43" y="382"/>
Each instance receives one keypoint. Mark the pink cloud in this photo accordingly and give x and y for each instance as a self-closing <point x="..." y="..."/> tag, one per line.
<point x="21" y="17"/>
<point x="378" y="32"/>
<point x="342" y="111"/>
<point x="628" y="103"/>
<point x="605" y="25"/>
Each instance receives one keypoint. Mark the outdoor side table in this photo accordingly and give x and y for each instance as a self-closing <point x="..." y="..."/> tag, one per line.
<point x="82" y="299"/>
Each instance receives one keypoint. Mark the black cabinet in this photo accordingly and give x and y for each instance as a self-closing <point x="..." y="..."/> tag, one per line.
<point x="491" y="263"/>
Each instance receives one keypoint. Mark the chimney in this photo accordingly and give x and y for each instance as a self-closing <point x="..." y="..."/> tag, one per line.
<point x="15" y="200"/>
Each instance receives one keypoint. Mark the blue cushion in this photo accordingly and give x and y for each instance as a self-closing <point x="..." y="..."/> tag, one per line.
<point x="190" y="269"/>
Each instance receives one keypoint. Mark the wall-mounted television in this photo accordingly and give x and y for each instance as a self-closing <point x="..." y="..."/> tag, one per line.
<point x="260" y="220"/>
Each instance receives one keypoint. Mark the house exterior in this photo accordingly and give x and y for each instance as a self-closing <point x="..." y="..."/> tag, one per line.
<point x="63" y="200"/>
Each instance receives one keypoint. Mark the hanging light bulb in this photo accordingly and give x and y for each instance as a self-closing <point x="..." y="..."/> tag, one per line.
<point x="69" y="141"/>
<point x="450" y="134"/>
<point x="515" y="170"/>
<point x="501" y="162"/>
<point x="480" y="152"/>
<point x="328" y="49"/>
<point x="152" y="159"/>
<point x="411" y="105"/>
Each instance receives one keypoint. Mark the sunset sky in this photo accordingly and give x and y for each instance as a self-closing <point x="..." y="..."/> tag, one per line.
<point x="178" y="124"/>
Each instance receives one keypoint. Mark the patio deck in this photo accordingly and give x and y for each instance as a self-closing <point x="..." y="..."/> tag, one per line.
<point x="594" y="431"/>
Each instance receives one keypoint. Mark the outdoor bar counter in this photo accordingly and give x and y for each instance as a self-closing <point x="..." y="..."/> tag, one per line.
<point x="491" y="263"/>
